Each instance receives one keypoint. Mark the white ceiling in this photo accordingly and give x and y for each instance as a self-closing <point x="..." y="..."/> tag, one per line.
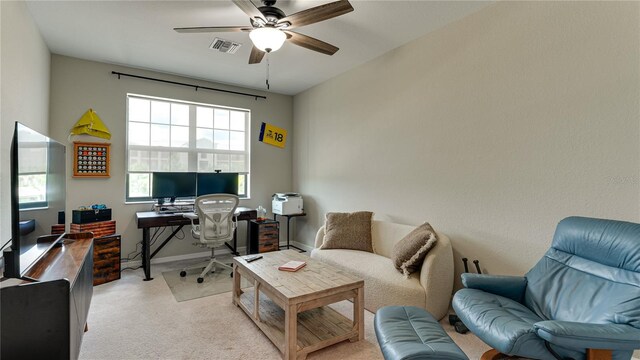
<point x="140" y="34"/>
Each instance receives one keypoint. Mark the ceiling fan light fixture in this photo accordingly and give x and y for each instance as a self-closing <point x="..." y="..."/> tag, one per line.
<point x="267" y="39"/>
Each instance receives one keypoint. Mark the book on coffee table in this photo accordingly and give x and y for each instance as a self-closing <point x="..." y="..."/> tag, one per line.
<point x="292" y="265"/>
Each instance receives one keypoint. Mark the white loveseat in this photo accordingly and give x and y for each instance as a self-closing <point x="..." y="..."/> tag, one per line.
<point x="430" y="288"/>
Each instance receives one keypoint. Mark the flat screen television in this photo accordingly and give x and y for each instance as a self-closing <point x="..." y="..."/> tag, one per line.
<point x="38" y="195"/>
<point x="173" y="185"/>
<point x="217" y="183"/>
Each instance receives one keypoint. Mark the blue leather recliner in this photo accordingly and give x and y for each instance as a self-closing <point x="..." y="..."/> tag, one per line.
<point x="583" y="294"/>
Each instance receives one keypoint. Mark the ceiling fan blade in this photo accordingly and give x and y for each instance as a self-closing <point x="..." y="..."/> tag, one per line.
<point x="311" y="43"/>
<point x="248" y="8"/>
<point x="317" y="14"/>
<point x="212" y="29"/>
<point x="256" y="55"/>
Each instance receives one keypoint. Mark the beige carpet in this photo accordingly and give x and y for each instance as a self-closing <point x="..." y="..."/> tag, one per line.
<point x="188" y="288"/>
<point x="134" y="319"/>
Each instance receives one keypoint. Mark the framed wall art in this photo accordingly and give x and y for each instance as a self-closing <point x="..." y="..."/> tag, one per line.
<point x="91" y="159"/>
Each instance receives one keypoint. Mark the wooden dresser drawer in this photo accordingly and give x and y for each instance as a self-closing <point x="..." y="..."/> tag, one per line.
<point x="106" y="259"/>
<point x="263" y="236"/>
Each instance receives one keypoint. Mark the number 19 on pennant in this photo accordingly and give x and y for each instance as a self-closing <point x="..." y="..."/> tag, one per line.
<point x="273" y="135"/>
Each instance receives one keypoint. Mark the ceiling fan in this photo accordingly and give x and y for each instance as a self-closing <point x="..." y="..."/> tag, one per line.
<point x="270" y="27"/>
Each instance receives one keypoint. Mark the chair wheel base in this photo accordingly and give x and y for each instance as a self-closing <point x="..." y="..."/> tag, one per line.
<point x="183" y="273"/>
<point x="200" y="280"/>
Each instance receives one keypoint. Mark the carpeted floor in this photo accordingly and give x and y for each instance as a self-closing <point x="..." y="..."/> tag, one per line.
<point x="134" y="319"/>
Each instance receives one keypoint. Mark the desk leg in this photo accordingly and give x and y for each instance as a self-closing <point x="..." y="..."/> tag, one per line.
<point x="146" y="258"/>
<point x="234" y="248"/>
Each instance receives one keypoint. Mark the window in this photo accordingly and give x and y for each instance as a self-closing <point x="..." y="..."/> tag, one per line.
<point x="173" y="135"/>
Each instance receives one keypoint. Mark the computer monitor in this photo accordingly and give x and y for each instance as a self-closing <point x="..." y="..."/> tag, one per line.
<point x="173" y="185"/>
<point x="217" y="183"/>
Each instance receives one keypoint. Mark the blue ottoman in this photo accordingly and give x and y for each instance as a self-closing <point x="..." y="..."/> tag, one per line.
<point x="409" y="332"/>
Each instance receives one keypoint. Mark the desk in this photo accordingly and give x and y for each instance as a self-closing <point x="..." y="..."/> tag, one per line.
<point x="288" y="220"/>
<point x="148" y="219"/>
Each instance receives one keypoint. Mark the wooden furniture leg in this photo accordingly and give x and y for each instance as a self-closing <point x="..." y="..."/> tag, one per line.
<point x="598" y="354"/>
<point x="236" y="285"/>
<point x="592" y="354"/>
<point x="290" y="332"/>
<point x="256" y="301"/>
<point x="358" y="315"/>
<point x="492" y="354"/>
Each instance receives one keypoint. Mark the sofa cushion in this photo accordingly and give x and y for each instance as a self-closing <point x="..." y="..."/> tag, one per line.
<point x="383" y="284"/>
<point x="348" y="231"/>
<point x="409" y="253"/>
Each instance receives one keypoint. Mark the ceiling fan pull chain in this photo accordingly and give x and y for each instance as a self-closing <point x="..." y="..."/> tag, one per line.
<point x="267" y="81"/>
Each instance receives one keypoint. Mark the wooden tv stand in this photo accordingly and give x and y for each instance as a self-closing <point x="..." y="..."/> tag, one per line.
<point x="46" y="318"/>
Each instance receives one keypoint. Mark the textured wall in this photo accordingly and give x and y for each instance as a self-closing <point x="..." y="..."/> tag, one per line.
<point x="77" y="85"/>
<point x="24" y="79"/>
<point x="492" y="128"/>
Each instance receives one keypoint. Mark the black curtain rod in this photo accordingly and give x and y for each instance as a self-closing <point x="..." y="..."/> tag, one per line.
<point x="191" y="85"/>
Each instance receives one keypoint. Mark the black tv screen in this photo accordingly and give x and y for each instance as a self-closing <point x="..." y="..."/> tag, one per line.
<point x="217" y="183"/>
<point x="38" y="195"/>
<point x="173" y="185"/>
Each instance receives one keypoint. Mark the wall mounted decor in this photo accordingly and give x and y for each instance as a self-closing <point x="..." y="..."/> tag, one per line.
<point x="273" y="135"/>
<point x="91" y="159"/>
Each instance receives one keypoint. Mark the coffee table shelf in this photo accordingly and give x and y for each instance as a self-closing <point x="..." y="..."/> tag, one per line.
<point x="322" y="326"/>
<point x="291" y="307"/>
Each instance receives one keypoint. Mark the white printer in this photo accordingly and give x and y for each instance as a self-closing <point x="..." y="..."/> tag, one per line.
<point x="286" y="204"/>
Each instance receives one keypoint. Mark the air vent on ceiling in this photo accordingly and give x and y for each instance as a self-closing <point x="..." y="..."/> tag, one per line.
<point x="225" y="46"/>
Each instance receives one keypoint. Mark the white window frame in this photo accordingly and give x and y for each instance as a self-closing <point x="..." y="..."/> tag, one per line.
<point x="193" y="151"/>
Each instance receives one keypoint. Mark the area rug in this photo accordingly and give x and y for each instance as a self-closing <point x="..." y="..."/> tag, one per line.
<point x="187" y="288"/>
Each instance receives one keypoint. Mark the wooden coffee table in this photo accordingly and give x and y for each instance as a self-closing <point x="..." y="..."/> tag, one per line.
<point x="290" y="307"/>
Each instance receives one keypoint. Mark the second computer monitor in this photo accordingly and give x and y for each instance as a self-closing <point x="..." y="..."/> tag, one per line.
<point x="173" y="185"/>
<point x="217" y="183"/>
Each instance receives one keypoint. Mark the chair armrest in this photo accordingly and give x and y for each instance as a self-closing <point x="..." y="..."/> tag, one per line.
<point x="589" y="336"/>
<point x="190" y="216"/>
<point x="511" y="287"/>
<point x="436" y="277"/>
<point x="319" y="238"/>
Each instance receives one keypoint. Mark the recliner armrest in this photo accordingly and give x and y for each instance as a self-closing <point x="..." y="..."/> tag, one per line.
<point x="589" y="336"/>
<point x="511" y="287"/>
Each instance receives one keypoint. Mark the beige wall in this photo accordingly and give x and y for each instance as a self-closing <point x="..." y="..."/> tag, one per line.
<point x="77" y="85"/>
<point x="493" y="129"/>
<point x="24" y="79"/>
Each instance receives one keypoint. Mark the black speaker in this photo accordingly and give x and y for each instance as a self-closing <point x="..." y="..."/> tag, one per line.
<point x="60" y="217"/>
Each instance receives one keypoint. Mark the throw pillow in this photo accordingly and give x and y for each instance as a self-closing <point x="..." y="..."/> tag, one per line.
<point x="348" y="231"/>
<point x="409" y="253"/>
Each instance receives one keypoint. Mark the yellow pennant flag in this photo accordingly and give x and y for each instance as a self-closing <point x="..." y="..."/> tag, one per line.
<point x="90" y="124"/>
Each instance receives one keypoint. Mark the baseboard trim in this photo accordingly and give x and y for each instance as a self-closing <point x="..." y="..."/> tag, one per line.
<point x="221" y="251"/>
<point x="302" y="246"/>
<point x="165" y="259"/>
